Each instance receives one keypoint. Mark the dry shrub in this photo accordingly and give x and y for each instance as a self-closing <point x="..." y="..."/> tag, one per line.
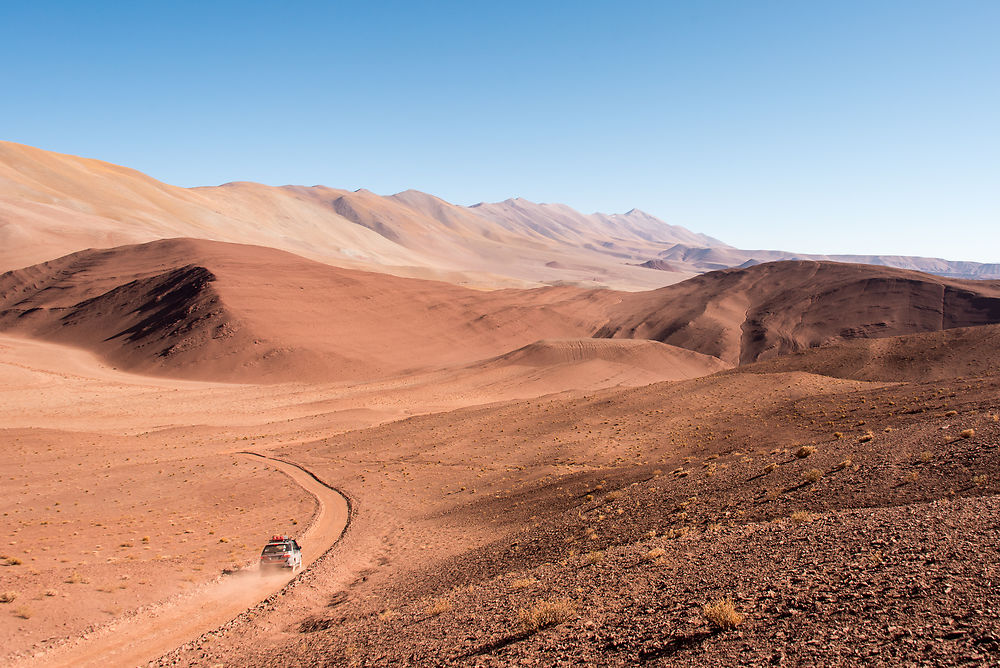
<point x="438" y="607"/>
<point x="74" y="578"/>
<point x="967" y="433"/>
<point x="867" y="436"/>
<point x="770" y="467"/>
<point x="523" y="583"/>
<point x="950" y="413"/>
<point x="844" y="463"/>
<point x="979" y="480"/>
<point x="722" y="613"/>
<point x="812" y="475"/>
<point x="387" y="615"/>
<point x="805" y="451"/>
<point x="838" y="434"/>
<point x="801" y="516"/>
<point x="13" y="561"/>
<point x="23" y="613"/>
<point x="926" y="456"/>
<point x="8" y="596"/>
<point x="545" y="614"/>
<point x="912" y="476"/>
<point x="592" y="558"/>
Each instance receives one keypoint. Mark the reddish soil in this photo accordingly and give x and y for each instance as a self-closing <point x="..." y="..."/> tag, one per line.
<point x="570" y="500"/>
<point x="554" y="475"/>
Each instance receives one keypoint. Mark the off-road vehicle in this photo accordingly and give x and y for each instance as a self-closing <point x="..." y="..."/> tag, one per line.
<point x="281" y="552"/>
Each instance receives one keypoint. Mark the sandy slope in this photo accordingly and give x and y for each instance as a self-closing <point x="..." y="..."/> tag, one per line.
<point x="465" y="503"/>
<point x="122" y="490"/>
<point x="232" y="312"/>
<point x="152" y="632"/>
<point x="632" y="508"/>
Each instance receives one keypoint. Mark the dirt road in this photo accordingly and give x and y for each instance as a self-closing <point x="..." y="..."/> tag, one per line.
<point x="140" y="639"/>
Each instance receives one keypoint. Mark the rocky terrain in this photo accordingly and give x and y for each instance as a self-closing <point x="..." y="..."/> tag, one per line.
<point x="505" y="434"/>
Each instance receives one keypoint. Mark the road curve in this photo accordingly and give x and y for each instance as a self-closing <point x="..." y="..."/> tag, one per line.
<point x="150" y="634"/>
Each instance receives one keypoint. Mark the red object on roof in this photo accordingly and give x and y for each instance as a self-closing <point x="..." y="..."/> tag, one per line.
<point x="275" y="539"/>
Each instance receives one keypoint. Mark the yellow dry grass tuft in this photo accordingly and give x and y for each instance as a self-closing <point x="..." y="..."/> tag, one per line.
<point x="812" y="475"/>
<point x="438" y="607"/>
<point x="545" y="614"/>
<point x="805" y="451"/>
<point x="967" y="433"/>
<point x="722" y="613"/>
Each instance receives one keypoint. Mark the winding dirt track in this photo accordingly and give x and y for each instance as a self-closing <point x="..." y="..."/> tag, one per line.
<point x="150" y="634"/>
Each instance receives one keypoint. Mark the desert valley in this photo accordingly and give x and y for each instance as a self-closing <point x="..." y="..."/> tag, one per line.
<point x="504" y="434"/>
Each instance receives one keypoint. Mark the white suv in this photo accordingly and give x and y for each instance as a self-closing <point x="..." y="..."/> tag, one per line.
<point x="281" y="552"/>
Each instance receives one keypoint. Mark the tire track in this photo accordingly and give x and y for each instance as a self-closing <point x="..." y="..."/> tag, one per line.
<point x="160" y="629"/>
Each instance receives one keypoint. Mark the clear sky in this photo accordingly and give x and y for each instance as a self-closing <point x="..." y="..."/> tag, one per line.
<point x="838" y="126"/>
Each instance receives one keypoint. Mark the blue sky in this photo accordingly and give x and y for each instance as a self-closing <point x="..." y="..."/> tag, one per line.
<point x="862" y="127"/>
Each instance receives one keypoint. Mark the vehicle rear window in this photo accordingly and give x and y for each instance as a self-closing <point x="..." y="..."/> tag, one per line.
<point x="275" y="549"/>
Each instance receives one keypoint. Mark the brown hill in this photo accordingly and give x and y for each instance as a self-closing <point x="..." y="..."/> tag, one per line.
<point x="742" y="315"/>
<point x="629" y="510"/>
<point x="659" y="265"/>
<point x="948" y="354"/>
<point x="223" y="311"/>
<point x="658" y="361"/>
<point x="212" y="310"/>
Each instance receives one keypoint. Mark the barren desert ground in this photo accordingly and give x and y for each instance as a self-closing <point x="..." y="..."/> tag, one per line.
<point x="499" y="438"/>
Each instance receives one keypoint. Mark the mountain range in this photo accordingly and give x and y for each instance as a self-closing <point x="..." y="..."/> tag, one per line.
<point x="53" y="204"/>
